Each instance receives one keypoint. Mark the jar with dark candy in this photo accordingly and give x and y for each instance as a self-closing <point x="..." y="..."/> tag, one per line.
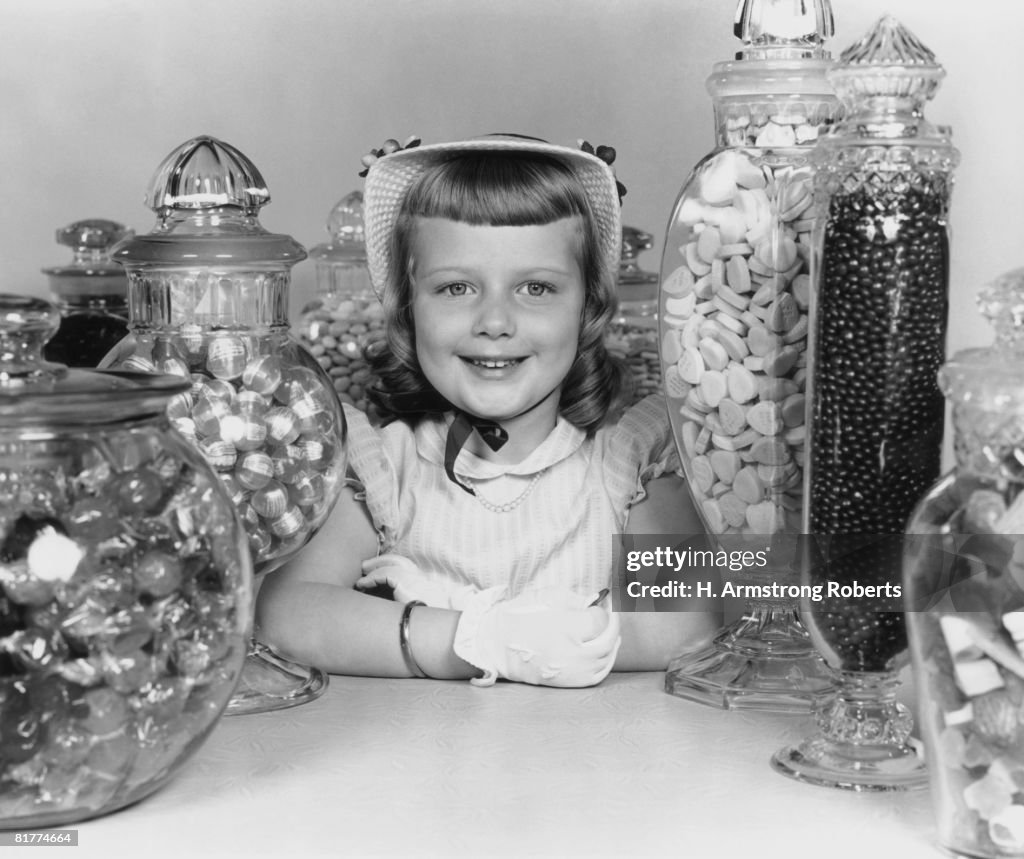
<point x="345" y="316"/>
<point x="125" y="584"/>
<point x="208" y="297"/>
<point x="91" y="292"/>
<point x="878" y="326"/>
<point x="964" y="589"/>
<point x="633" y="332"/>
<point x="734" y="298"/>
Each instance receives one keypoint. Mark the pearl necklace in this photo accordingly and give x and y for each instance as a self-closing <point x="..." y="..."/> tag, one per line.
<point x="508" y="505"/>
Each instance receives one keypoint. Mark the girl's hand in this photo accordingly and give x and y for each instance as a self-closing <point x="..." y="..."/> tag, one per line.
<point x="545" y="637"/>
<point x="408" y="583"/>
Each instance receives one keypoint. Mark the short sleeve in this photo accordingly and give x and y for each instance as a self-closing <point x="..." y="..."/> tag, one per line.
<point x="371" y="464"/>
<point x="637" y="449"/>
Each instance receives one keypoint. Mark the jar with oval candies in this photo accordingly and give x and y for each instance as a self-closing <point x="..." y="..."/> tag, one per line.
<point x="633" y="332"/>
<point x="733" y="321"/>
<point x="877" y="414"/>
<point x="208" y="299"/>
<point x="345" y="315"/>
<point x="125" y="584"/>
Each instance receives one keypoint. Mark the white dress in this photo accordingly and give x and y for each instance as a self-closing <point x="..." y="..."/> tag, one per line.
<point x="563" y="530"/>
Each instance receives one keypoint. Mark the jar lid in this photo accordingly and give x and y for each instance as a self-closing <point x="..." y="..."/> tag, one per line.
<point x="992" y="379"/>
<point x="90" y="241"/>
<point x="888" y="62"/>
<point x="37" y="393"/>
<point x="345" y="227"/>
<point x="207" y="196"/>
<point x="783" y="50"/>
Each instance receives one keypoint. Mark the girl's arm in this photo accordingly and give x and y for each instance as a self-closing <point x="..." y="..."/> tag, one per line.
<point x="651" y="639"/>
<point x="308" y="610"/>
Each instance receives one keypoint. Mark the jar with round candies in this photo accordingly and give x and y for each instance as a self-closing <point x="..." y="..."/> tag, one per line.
<point x="91" y="293"/>
<point x="345" y="315"/>
<point x="733" y="318"/>
<point x="208" y="299"/>
<point x="633" y="332"/>
<point x="125" y="583"/>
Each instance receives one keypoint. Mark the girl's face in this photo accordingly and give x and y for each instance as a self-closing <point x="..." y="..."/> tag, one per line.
<point x="497" y="315"/>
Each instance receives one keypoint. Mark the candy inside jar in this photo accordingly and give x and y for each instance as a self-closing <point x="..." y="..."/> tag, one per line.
<point x="345" y="316"/>
<point x="125" y="584"/>
<point x="208" y="299"/>
<point x="964" y="578"/>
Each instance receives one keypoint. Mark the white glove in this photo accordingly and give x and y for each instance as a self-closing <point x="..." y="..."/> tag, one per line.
<point x="543" y="637"/>
<point x="408" y="582"/>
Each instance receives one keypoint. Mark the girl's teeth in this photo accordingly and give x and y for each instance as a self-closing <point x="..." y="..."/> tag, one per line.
<point x="494" y="365"/>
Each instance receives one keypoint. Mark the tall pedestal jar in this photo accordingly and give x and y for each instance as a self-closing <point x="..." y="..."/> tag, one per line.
<point x="208" y="300"/>
<point x="91" y="293"/>
<point x="879" y="315"/>
<point x="735" y="294"/>
<point x="125" y="584"/>
<point x="964" y="589"/>
<point x="346" y="316"/>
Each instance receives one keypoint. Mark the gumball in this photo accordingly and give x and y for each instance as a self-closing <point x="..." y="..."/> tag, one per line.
<point x="186" y="427"/>
<point x="289" y="463"/>
<point x="158" y="573"/>
<point x="252" y="434"/>
<point x="250" y="404"/>
<point x="138" y="364"/>
<point x="107" y="710"/>
<point x="219" y="453"/>
<point x="288" y="524"/>
<point x="207" y="414"/>
<point x="281" y="425"/>
<point x="254" y="470"/>
<point x="262" y="375"/>
<point x="271" y="501"/>
<point x="307" y="490"/>
<point x="226" y="357"/>
<point x="139" y="492"/>
<point x="180" y="406"/>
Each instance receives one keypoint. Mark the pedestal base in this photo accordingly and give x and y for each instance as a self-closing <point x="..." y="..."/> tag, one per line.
<point x="764" y="661"/>
<point x="271" y="682"/>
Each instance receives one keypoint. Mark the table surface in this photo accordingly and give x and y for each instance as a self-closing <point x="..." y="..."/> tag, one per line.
<point x="428" y="768"/>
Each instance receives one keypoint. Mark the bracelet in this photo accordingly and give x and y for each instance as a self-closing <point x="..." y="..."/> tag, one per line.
<point x="403" y="640"/>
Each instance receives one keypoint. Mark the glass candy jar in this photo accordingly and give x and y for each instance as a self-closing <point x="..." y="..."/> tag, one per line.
<point x="964" y="589"/>
<point x="91" y="293"/>
<point x="879" y="315"/>
<point x="633" y="332"/>
<point x="345" y="316"/>
<point x="125" y="584"/>
<point x="735" y="292"/>
<point x="208" y="299"/>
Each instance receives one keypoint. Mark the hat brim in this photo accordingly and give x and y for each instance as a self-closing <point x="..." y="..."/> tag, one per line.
<point x="390" y="177"/>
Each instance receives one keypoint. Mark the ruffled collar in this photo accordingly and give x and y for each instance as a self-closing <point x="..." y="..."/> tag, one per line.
<point x="562" y="442"/>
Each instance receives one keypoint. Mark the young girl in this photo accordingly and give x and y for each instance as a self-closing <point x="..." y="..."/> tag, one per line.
<point x="489" y="505"/>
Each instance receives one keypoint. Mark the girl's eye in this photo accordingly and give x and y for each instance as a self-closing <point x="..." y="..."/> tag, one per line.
<point x="457" y="288"/>
<point x="536" y="289"/>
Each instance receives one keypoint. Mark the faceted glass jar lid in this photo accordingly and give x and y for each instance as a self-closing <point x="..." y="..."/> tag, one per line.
<point x="992" y="378"/>
<point x="38" y="393"/>
<point x="90" y="241"/>
<point x="207" y="196"/>
<point x="345" y="227"/>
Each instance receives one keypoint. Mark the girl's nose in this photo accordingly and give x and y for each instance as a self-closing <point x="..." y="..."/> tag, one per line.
<point x="495" y="317"/>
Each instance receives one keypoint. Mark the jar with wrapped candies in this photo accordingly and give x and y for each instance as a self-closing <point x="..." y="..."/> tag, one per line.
<point x="876" y="419"/>
<point x="208" y="299"/>
<point x="633" y="332"/>
<point x="963" y="576"/>
<point x="345" y="316"/>
<point x="735" y="291"/>
<point x="125" y="583"/>
<point x="91" y="293"/>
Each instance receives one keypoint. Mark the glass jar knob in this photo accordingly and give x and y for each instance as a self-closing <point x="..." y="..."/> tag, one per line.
<point x="26" y="324"/>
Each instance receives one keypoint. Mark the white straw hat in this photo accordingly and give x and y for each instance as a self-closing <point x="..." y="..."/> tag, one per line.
<point x="390" y="177"/>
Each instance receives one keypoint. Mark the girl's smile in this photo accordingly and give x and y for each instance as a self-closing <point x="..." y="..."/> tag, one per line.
<point x="497" y="318"/>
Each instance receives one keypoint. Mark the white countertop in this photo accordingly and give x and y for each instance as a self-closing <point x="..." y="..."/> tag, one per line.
<point x="417" y="768"/>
